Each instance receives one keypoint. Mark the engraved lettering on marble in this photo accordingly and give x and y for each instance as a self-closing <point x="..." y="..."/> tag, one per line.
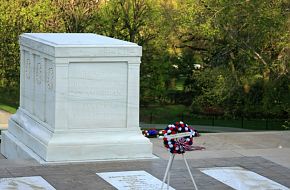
<point x="132" y="180"/>
<point x="49" y="78"/>
<point x="38" y="74"/>
<point x="78" y="88"/>
<point x="100" y="90"/>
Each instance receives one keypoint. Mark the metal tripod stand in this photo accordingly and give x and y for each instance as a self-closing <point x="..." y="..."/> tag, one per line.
<point x="168" y="168"/>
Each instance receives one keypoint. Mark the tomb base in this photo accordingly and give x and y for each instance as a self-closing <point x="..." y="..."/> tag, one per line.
<point x="23" y="141"/>
<point x="79" y="100"/>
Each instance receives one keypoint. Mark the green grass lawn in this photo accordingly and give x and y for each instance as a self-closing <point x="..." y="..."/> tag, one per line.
<point x="172" y="113"/>
<point x="9" y="100"/>
<point x="7" y="108"/>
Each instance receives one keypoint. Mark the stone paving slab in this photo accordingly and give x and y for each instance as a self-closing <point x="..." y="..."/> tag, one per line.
<point x="274" y="146"/>
<point x="83" y="176"/>
<point x="222" y="150"/>
<point x="4" y="116"/>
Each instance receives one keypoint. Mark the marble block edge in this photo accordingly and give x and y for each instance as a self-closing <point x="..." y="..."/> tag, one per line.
<point x="18" y="150"/>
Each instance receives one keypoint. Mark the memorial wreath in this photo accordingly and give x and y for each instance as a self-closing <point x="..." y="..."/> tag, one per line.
<point x="178" y="144"/>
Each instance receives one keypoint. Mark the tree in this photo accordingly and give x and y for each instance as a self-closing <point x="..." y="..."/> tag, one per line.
<point x="21" y="16"/>
<point x="251" y="42"/>
<point x="138" y="21"/>
<point x="76" y="15"/>
<point x="246" y="40"/>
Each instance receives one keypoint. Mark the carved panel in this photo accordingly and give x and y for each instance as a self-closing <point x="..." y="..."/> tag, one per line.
<point x="39" y="92"/>
<point x="49" y="91"/>
<point x="97" y="95"/>
<point x="38" y="73"/>
<point x="50" y="77"/>
<point x="27" y="67"/>
<point x="28" y="82"/>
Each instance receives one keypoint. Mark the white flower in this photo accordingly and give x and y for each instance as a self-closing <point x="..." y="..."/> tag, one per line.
<point x="169" y="131"/>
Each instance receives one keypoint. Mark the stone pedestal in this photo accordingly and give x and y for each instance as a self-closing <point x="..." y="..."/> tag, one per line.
<point x="79" y="100"/>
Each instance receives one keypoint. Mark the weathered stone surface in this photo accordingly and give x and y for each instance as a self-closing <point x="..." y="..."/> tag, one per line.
<point x="79" y="100"/>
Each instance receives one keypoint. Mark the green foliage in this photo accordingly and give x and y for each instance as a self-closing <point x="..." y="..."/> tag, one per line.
<point x="170" y="114"/>
<point x="243" y="48"/>
<point x="139" y="21"/>
<point x="221" y="57"/>
<point x="20" y="16"/>
<point x="9" y="100"/>
<point x="76" y="15"/>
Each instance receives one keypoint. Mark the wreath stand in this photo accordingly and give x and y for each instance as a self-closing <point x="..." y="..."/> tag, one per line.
<point x="168" y="168"/>
<point x="176" y="132"/>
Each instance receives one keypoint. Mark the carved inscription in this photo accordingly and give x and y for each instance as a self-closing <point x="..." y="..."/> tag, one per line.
<point x="49" y="91"/>
<point x="50" y="77"/>
<point x="38" y="74"/>
<point x="39" y="92"/>
<point x="49" y="74"/>
<point x="84" y="89"/>
<point x="132" y="180"/>
<point x="97" y="94"/>
<point x="120" y="51"/>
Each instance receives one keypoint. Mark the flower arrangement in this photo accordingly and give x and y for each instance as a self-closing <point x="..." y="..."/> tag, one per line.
<point x="175" y="144"/>
<point x="153" y="133"/>
<point x="150" y="133"/>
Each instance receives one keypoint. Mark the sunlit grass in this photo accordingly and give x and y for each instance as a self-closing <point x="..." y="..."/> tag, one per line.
<point x="7" y="108"/>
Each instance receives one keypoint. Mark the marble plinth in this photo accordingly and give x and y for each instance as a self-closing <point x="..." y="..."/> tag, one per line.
<point x="79" y="100"/>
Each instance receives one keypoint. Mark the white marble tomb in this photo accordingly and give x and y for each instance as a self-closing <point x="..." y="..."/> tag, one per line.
<point x="79" y="100"/>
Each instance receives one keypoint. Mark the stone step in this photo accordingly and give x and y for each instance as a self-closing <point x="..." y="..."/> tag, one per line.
<point x="4" y="163"/>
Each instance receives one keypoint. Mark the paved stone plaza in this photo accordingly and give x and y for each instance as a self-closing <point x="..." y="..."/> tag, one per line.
<point x="265" y="153"/>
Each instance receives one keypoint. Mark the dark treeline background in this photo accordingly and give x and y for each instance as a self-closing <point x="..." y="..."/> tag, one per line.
<point x="223" y="57"/>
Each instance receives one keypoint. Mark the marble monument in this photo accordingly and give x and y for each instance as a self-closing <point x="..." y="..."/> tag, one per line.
<point x="79" y="100"/>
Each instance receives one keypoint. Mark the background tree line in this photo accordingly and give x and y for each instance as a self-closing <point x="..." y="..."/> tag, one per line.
<point x="215" y="56"/>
